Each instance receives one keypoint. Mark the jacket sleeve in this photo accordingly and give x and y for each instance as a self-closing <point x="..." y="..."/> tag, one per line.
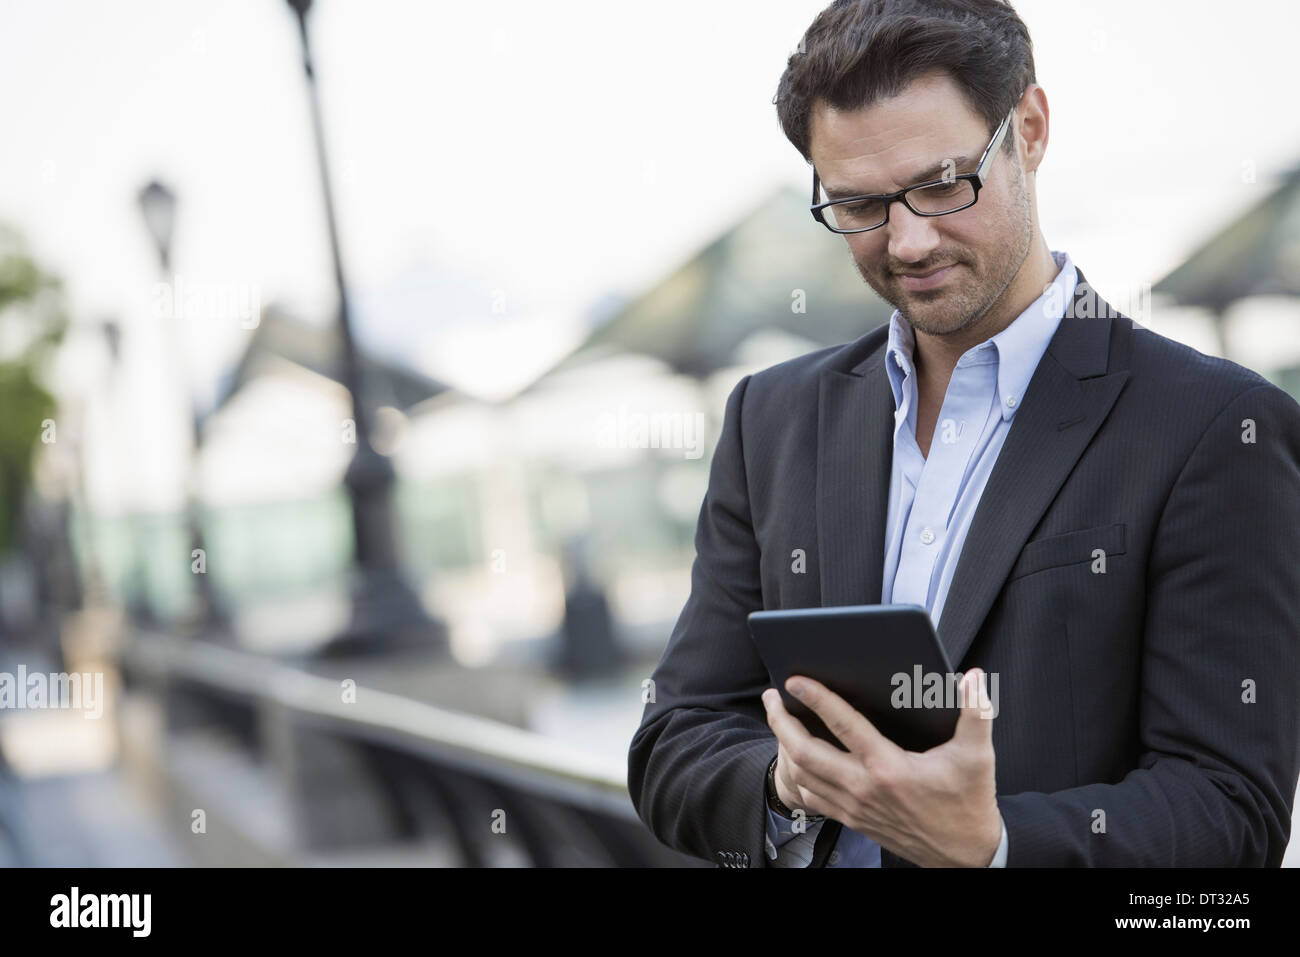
<point x="1220" y="706"/>
<point x="697" y="762"/>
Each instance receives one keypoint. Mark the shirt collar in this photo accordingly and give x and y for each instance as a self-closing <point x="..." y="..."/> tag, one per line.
<point x="1017" y="349"/>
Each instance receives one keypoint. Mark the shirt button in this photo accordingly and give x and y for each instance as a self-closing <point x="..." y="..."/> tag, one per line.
<point x="1011" y="402"/>
<point x="927" y="536"/>
<point x="834" y="858"/>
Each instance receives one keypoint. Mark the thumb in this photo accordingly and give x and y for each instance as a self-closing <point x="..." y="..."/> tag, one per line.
<point x="975" y="723"/>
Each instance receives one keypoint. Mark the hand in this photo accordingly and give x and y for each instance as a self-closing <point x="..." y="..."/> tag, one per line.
<point x="936" y="808"/>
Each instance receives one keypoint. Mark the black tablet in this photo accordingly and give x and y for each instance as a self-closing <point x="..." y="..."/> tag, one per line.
<point x="885" y="660"/>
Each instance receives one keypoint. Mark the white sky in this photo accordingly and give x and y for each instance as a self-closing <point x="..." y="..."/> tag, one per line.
<point x="1157" y="107"/>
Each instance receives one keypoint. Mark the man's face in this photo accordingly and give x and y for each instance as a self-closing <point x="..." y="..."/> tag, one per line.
<point x="883" y="148"/>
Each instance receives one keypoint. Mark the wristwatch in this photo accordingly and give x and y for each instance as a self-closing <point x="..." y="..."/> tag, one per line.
<point x="777" y="805"/>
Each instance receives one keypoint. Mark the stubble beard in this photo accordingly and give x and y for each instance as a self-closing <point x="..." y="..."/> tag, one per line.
<point x="964" y="301"/>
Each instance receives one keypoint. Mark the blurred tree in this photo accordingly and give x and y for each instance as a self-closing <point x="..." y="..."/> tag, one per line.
<point x="32" y="323"/>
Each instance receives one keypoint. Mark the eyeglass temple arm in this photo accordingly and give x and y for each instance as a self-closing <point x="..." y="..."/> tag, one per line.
<point x="994" y="145"/>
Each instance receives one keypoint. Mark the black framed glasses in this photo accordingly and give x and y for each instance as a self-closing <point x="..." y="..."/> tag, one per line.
<point x="859" y="214"/>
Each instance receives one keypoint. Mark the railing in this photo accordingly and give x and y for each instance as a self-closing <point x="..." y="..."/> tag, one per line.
<point x="375" y="770"/>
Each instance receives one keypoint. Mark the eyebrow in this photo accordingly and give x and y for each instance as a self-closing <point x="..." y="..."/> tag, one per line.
<point x="921" y="176"/>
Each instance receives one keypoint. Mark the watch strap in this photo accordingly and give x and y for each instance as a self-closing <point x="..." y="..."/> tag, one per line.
<point x="776" y="804"/>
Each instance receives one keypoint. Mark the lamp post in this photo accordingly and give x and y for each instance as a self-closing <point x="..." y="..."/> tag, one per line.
<point x="158" y="207"/>
<point x="95" y="592"/>
<point x="139" y="607"/>
<point x="386" y="612"/>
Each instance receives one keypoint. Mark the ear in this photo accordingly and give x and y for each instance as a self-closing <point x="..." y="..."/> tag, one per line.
<point x="1031" y="123"/>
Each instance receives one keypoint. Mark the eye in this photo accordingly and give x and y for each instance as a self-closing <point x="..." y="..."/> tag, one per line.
<point x="860" y="207"/>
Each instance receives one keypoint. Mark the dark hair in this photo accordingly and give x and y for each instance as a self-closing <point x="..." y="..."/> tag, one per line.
<point x="859" y="51"/>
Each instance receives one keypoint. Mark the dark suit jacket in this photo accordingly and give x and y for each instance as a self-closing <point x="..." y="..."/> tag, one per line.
<point x="1148" y="715"/>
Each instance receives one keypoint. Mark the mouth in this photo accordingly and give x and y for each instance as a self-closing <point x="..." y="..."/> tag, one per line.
<point x="927" y="281"/>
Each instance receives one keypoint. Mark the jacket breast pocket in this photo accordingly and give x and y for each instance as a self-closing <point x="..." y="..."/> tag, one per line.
<point x="1069" y="548"/>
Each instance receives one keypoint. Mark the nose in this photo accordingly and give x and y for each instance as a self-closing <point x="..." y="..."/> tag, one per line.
<point x="912" y="238"/>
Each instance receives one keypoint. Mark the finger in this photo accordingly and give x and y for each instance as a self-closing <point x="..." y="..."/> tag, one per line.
<point x="827" y="792"/>
<point x="789" y="730"/>
<point x="822" y="758"/>
<point x="975" y="722"/>
<point x="844" y="721"/>
<point x="815" y="799"/>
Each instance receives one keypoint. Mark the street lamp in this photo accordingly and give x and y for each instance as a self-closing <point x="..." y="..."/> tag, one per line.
<point x="158" y="207"/>
<point x="386" y="612"/>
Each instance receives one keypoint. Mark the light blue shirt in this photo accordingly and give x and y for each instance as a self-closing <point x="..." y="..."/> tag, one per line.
<point x="932" y="500"/>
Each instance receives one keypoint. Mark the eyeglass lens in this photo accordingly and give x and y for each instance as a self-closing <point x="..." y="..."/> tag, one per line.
<point x="935" y="199"/>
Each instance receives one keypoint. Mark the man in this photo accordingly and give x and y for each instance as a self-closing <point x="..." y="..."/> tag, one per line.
<point x="1102" y="518"/>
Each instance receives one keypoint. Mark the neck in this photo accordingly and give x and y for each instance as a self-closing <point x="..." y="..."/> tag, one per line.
<point x="936" y="356"/>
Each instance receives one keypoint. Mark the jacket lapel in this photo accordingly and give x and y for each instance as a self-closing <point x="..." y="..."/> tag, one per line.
<point x="1068" y="397"/>
<point x="855" y="449"/>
